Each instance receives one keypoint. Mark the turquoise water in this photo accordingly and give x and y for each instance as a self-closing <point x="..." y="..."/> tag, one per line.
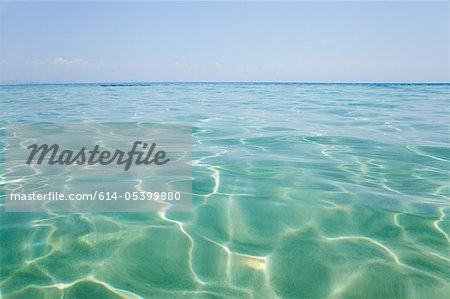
<point x="300" y="191"/>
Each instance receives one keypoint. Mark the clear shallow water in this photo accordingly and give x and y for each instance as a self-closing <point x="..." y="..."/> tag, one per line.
<point x="300" y="191"/>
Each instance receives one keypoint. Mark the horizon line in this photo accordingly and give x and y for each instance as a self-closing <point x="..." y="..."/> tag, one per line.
<point x="219" y="82"/>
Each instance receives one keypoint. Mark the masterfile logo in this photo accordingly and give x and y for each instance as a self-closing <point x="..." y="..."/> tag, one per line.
<point x="94" y="156"/>
<point x="114" y="167"/>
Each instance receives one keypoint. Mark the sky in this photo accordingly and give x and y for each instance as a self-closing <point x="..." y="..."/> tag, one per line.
<point x="385" y="41"/>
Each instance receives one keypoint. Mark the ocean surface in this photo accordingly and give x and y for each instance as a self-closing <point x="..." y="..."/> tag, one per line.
<point x="299" y="191"/>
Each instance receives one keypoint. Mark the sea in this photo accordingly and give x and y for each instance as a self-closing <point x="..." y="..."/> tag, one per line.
<point x="299" y="190"/>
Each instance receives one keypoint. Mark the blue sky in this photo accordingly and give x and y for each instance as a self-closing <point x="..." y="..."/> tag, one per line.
<point x="224" y="41"/>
